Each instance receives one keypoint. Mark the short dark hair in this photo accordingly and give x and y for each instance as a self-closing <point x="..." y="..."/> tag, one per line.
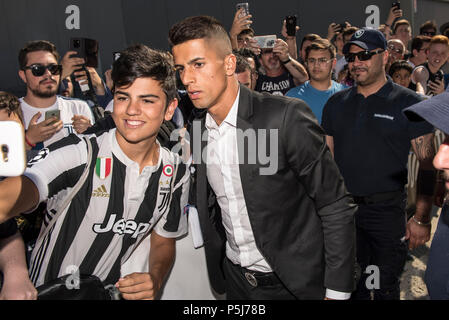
<point x="242" y="64"/>
<point x="247" y="53"/>
<point x="249" y="31"/>
<point x="198" y="27"/>
<point x="38" y="45"/>
<point x="418" y="42"/>
<point x="428" y="25"/>
<point x="11" y="104"/>
<point x="399" y="65"/>
<point x="309" y="37"/>
<point x="139" y="61"/>
<point x="322" y="44"/>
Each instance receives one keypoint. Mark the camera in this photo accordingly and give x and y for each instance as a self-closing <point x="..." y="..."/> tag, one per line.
<point x="342" y="26"/>
<point x="290" y="23"/>
<point x="396" y="5"/>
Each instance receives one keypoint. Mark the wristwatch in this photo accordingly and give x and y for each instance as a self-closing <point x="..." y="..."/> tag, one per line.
<point x="286" y="61"/>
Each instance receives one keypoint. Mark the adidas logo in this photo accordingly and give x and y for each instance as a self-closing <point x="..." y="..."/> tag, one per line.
<point x="101" y="192"/>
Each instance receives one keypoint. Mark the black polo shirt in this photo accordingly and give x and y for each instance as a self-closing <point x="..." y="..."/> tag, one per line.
<point x="372" y="137"/>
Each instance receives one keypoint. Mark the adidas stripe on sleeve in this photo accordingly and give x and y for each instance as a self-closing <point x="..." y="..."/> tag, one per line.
<point x="58" y="166"/>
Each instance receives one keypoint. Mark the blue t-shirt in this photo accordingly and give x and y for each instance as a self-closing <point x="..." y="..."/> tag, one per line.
<point x="316" y="99"/>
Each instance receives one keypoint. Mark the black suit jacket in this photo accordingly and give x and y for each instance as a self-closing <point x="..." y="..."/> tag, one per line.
<point x="302" y="216"/>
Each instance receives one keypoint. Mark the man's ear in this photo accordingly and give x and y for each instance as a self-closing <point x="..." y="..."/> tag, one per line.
<point x="386" y="56"/>
<point x="170" y="110"/>
<point x="22" y="76"/>
<point x="230" y="64"/>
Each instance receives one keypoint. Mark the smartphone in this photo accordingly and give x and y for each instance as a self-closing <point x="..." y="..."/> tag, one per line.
<point x="245" y="7"/>
<point x="86" y="49"/>
<point x="290" y="23"/>
<point x="342" y="26"/>
<point x="396" y="5"/>
<point x="266" y="42"/>
<point x="12" y="149"/>
<point x="53" y="113"/>
<point x="78" y="45"/>
<point x="438" y="76"/>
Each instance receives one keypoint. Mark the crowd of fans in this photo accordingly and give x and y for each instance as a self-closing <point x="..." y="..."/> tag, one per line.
<point x="312" y="72"/>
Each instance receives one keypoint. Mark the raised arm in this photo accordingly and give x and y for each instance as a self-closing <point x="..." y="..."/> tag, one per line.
<point x="296" y="69"/>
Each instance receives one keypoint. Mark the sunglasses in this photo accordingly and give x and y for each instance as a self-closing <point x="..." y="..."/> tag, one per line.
<point x="38" y="70"/>
<point x="362" y="55"/>
<point x="392" y="48"/>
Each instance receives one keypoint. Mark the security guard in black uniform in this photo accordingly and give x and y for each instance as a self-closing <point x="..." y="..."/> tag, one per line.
<point x="371" y="139"/>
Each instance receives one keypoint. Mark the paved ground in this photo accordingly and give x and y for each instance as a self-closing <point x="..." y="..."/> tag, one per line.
<point x="412" y="284"/>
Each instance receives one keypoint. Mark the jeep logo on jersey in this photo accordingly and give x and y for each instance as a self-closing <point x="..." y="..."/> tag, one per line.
<point x="168" y="170"/>
<point x="122" y="226"/>
<point x="39" y="157"/>
<point x="103" y="167"/>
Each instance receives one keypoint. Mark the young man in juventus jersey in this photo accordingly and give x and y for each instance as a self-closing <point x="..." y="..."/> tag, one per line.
<point x="133" y="186"/>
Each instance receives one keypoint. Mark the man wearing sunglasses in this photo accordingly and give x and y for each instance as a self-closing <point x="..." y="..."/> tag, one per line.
<point x="396" y="50"/>
<point x="371" y="139"/>
<point x="40" y="71"/>
<point x="428" y="28"/>
<point x="420" y="44"/>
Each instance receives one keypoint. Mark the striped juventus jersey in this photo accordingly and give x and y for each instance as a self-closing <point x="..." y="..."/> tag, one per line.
<point x="110" y="214"/>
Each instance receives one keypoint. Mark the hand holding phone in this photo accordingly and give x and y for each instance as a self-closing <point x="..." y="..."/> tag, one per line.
<point x="86" y="49"/>
<point x="39" y="132"/>
<point x="266" y="42"/>
<point x="245" y="7"/>
<point x="53" y="114"/>
<point x="291" y="23"/>
<point x="396" y="5"/>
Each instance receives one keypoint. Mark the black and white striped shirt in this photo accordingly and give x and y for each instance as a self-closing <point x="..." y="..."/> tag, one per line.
<point x="111" y="212"/>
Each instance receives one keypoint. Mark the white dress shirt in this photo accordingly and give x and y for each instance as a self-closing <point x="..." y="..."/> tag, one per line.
<point x="223" y="174"/>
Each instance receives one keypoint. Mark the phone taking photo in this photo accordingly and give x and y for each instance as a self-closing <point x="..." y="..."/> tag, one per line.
<point x="291" y="23"/>
<point x="245" y="7"/>
<point x="396" y="5"/>
<point x="86" y="49"/>
<point x="266" y="42"/>
<point x="12" y="149"/>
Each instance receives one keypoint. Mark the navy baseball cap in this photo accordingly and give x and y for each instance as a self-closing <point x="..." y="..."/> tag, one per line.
<point x="434" y="110"/>
<point x="368" y="39"/>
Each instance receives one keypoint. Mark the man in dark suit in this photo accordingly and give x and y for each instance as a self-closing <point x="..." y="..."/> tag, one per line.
<point x="274" y="227"/>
